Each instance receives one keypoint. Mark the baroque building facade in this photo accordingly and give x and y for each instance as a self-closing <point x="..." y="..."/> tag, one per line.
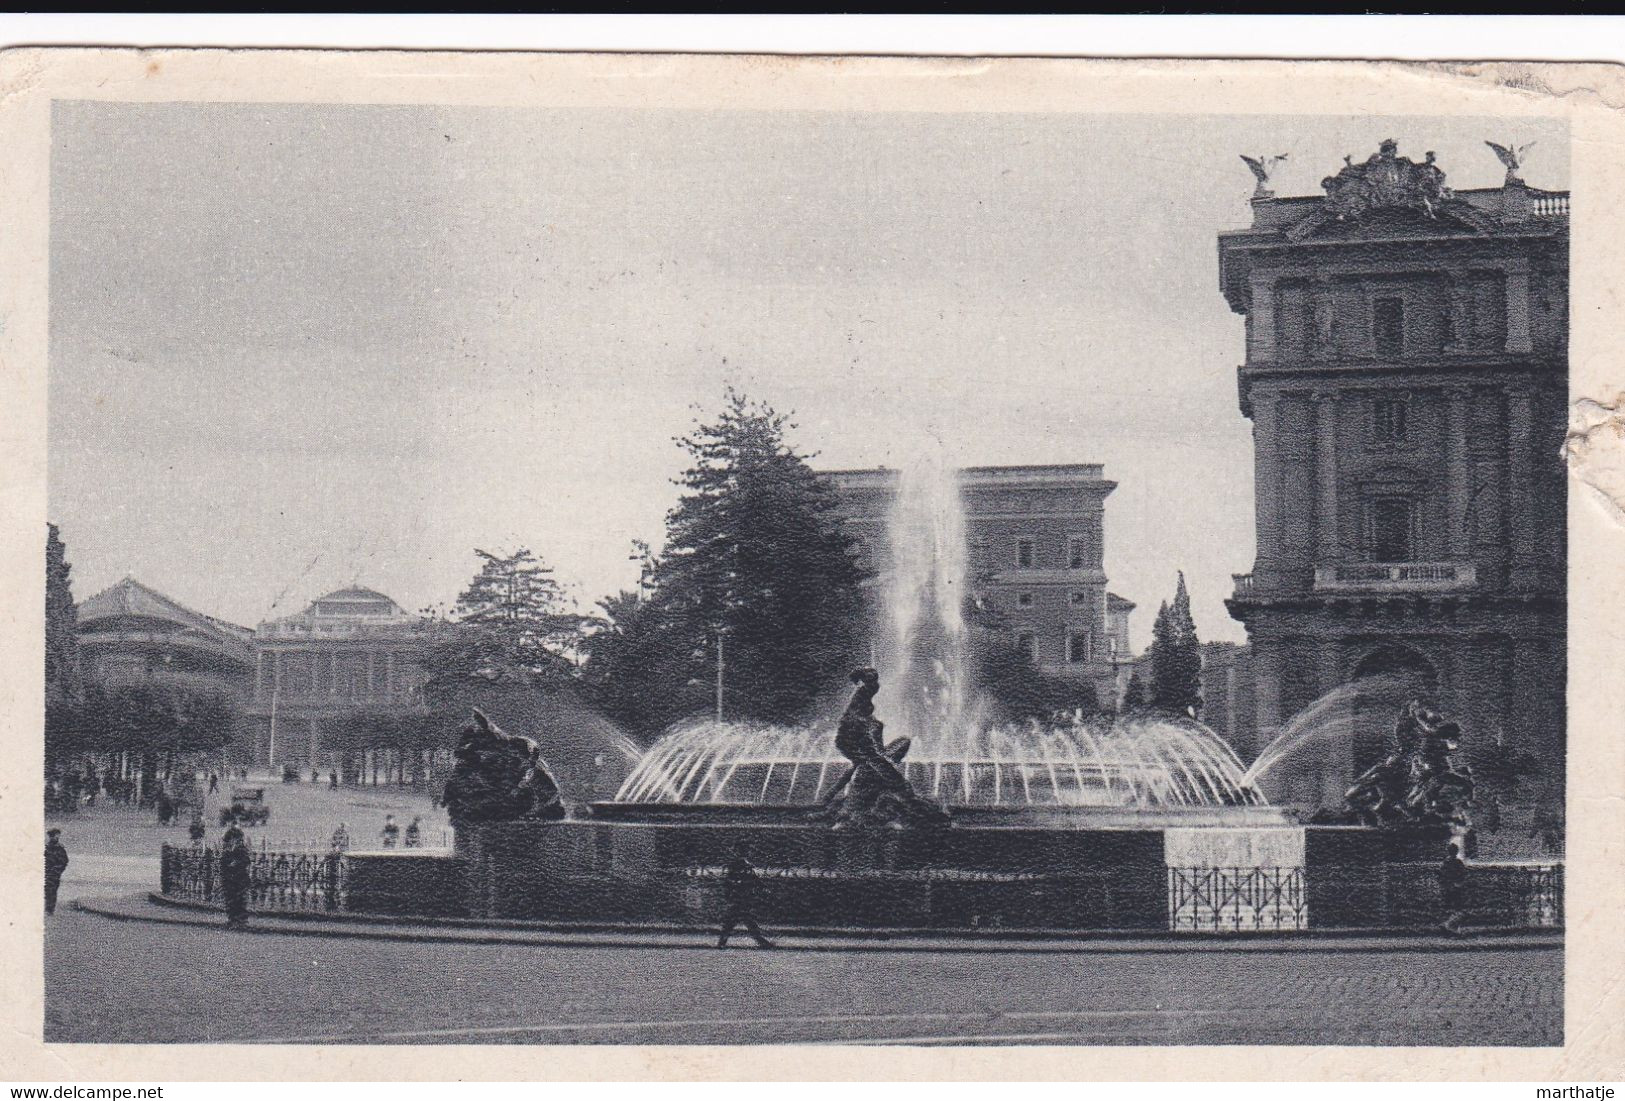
<point x="1035" y="554"/>
<point x="1406" y="379"/>
<point x="353" y="649"/>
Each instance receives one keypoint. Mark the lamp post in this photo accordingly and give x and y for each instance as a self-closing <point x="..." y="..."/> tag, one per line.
<point x="721" y="666"/>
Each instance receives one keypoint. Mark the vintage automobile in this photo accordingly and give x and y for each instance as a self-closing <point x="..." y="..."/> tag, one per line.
<point x="247" y="807"/>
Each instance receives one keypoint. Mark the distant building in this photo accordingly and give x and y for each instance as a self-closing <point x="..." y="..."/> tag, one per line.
<point x="1228" y="706"/>
<point x="1036" y="543"/>
<point x="349" y="650"/>
<point x="1406" y="375"/>
<point x="1119" y="651"/>
<point x="131" y="634"/>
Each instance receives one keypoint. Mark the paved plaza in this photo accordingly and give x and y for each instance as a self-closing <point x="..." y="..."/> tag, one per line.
<point x="137" y="981"/>
<point x="114" y="848"/>
<point x="129" y="981"/>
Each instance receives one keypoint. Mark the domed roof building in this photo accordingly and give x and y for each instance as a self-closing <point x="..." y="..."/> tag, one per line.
<point x="351" y="649"/>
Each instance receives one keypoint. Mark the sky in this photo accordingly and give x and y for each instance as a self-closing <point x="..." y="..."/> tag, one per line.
<point x="296" y="347"/>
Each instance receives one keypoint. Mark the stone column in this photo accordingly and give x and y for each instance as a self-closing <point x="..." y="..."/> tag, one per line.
<point x="1266" y="486"/>
<point x="259" y="675"/>
<point x="1517" y="307"/>
<point x="1520" y="500"/>
<point x="1461" y="315"/>
<point x="1458" y="479"/>
<point x="389" y="672"/>
<point x="372" y="673"/>
<point x="1327" y="547"/>
<point x="1262" y="315"/>
<point x="1325" y="310"/>
<point x="333" y="673"/>
<point x="1267" y="688"/>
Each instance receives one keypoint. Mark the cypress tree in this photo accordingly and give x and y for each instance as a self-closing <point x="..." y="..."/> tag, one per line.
<point x="1176" y="657"/>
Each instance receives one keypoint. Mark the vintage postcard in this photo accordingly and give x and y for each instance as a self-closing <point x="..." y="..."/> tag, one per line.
<point x="627" y="566"/>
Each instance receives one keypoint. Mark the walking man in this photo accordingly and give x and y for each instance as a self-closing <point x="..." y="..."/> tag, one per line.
<point x="341" y="839"/>
<point x="214" y="782"/>
<point x="414" y="833"/>
<point x="1453" y="889"/>
<point x="739" y="902"/>
<point x="56" y="862"/>
<point x="234" y="876"/>
<point x="391" y="831"/>
<point x="196" y="830"/>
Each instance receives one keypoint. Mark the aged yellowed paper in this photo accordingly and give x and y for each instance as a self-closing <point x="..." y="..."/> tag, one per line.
<point x="516" y="517"/>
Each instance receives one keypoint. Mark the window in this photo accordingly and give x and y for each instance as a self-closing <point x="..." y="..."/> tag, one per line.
<point x="1077" y="647"/>
<point x="1080" y="600"/>
<point x="1027" y="644"/>
<point x="1388" y="326"/>
<point x="1388" y="421"/>
<point x="1391" y="529"/>
<point x="1024" y="599"/>
<point x="1077" y="553"/>
<point x="1024" y="553"/>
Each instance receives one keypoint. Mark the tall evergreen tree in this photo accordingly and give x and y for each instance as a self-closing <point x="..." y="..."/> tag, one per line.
<point x="512" y="624"/>
<point x="64" y="687"/>
<point x="62" y="679"/>
<point x="1134" y="694"/>
<point x="756" y="565"/>
<point x="1176" y="656"/>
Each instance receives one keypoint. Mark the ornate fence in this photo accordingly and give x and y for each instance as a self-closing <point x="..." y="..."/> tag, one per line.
<point x="278" y="881"/>
<point x="1235" y="900"/>
<point x="1528" y="896"/>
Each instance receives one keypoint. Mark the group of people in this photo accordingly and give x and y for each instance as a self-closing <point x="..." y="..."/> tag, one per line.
<point x="390" y="836"/>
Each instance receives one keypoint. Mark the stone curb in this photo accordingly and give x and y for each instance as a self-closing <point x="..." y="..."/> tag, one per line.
<point x="145" y="908"/>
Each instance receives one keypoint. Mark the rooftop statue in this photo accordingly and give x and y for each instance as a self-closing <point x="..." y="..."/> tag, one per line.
<point x="1386" y="181"/>
<point x="499" y="777"/>
<point x="1511" y="156"/>
<point x="1419" y="784"/>
<point x="1262" y="168"/>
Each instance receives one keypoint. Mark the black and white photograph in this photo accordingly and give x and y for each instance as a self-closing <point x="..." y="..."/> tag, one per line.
<point x="555" y="571"/>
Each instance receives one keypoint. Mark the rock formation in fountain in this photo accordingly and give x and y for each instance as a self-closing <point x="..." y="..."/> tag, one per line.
<point x="1419" y="784"/>
<point x="499" y="777"/>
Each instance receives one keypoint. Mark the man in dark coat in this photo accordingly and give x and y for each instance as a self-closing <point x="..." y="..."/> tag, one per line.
<point x="56" y="862"/>
<point x="234" y="876"/>
<point x="739" y="902"/>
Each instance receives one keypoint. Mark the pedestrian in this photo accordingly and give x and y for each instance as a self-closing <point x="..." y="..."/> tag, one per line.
<point x="166" y="808"/>
<point x="739" y="902"/>
<point x="56" y="862"/>
<point x="234" y="876"/>
<point x="341" y="839"/>
<point x="214" y="783"/>
<point x="196" y="830"/>
<point x="414" y="833"/>
<point x="392" y="832"/>
<point x="1453" y="889"/>
<point x="332" y="781"/>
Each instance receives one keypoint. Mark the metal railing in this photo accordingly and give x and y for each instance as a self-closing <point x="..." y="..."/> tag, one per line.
<point x="289" y="882"/>
<point x="1526" y="896"/>
<point x="1236" y="899"/>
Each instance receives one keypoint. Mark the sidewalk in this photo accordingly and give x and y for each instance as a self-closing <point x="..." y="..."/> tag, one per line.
<point x="146" y="909"/>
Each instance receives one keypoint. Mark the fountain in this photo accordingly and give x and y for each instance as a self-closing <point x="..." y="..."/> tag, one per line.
<point x="933" y="810"/>
<point x="1072" y="772"/>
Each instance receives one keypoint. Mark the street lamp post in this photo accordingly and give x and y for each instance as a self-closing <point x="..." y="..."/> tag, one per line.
<point x="721" y="665"/>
